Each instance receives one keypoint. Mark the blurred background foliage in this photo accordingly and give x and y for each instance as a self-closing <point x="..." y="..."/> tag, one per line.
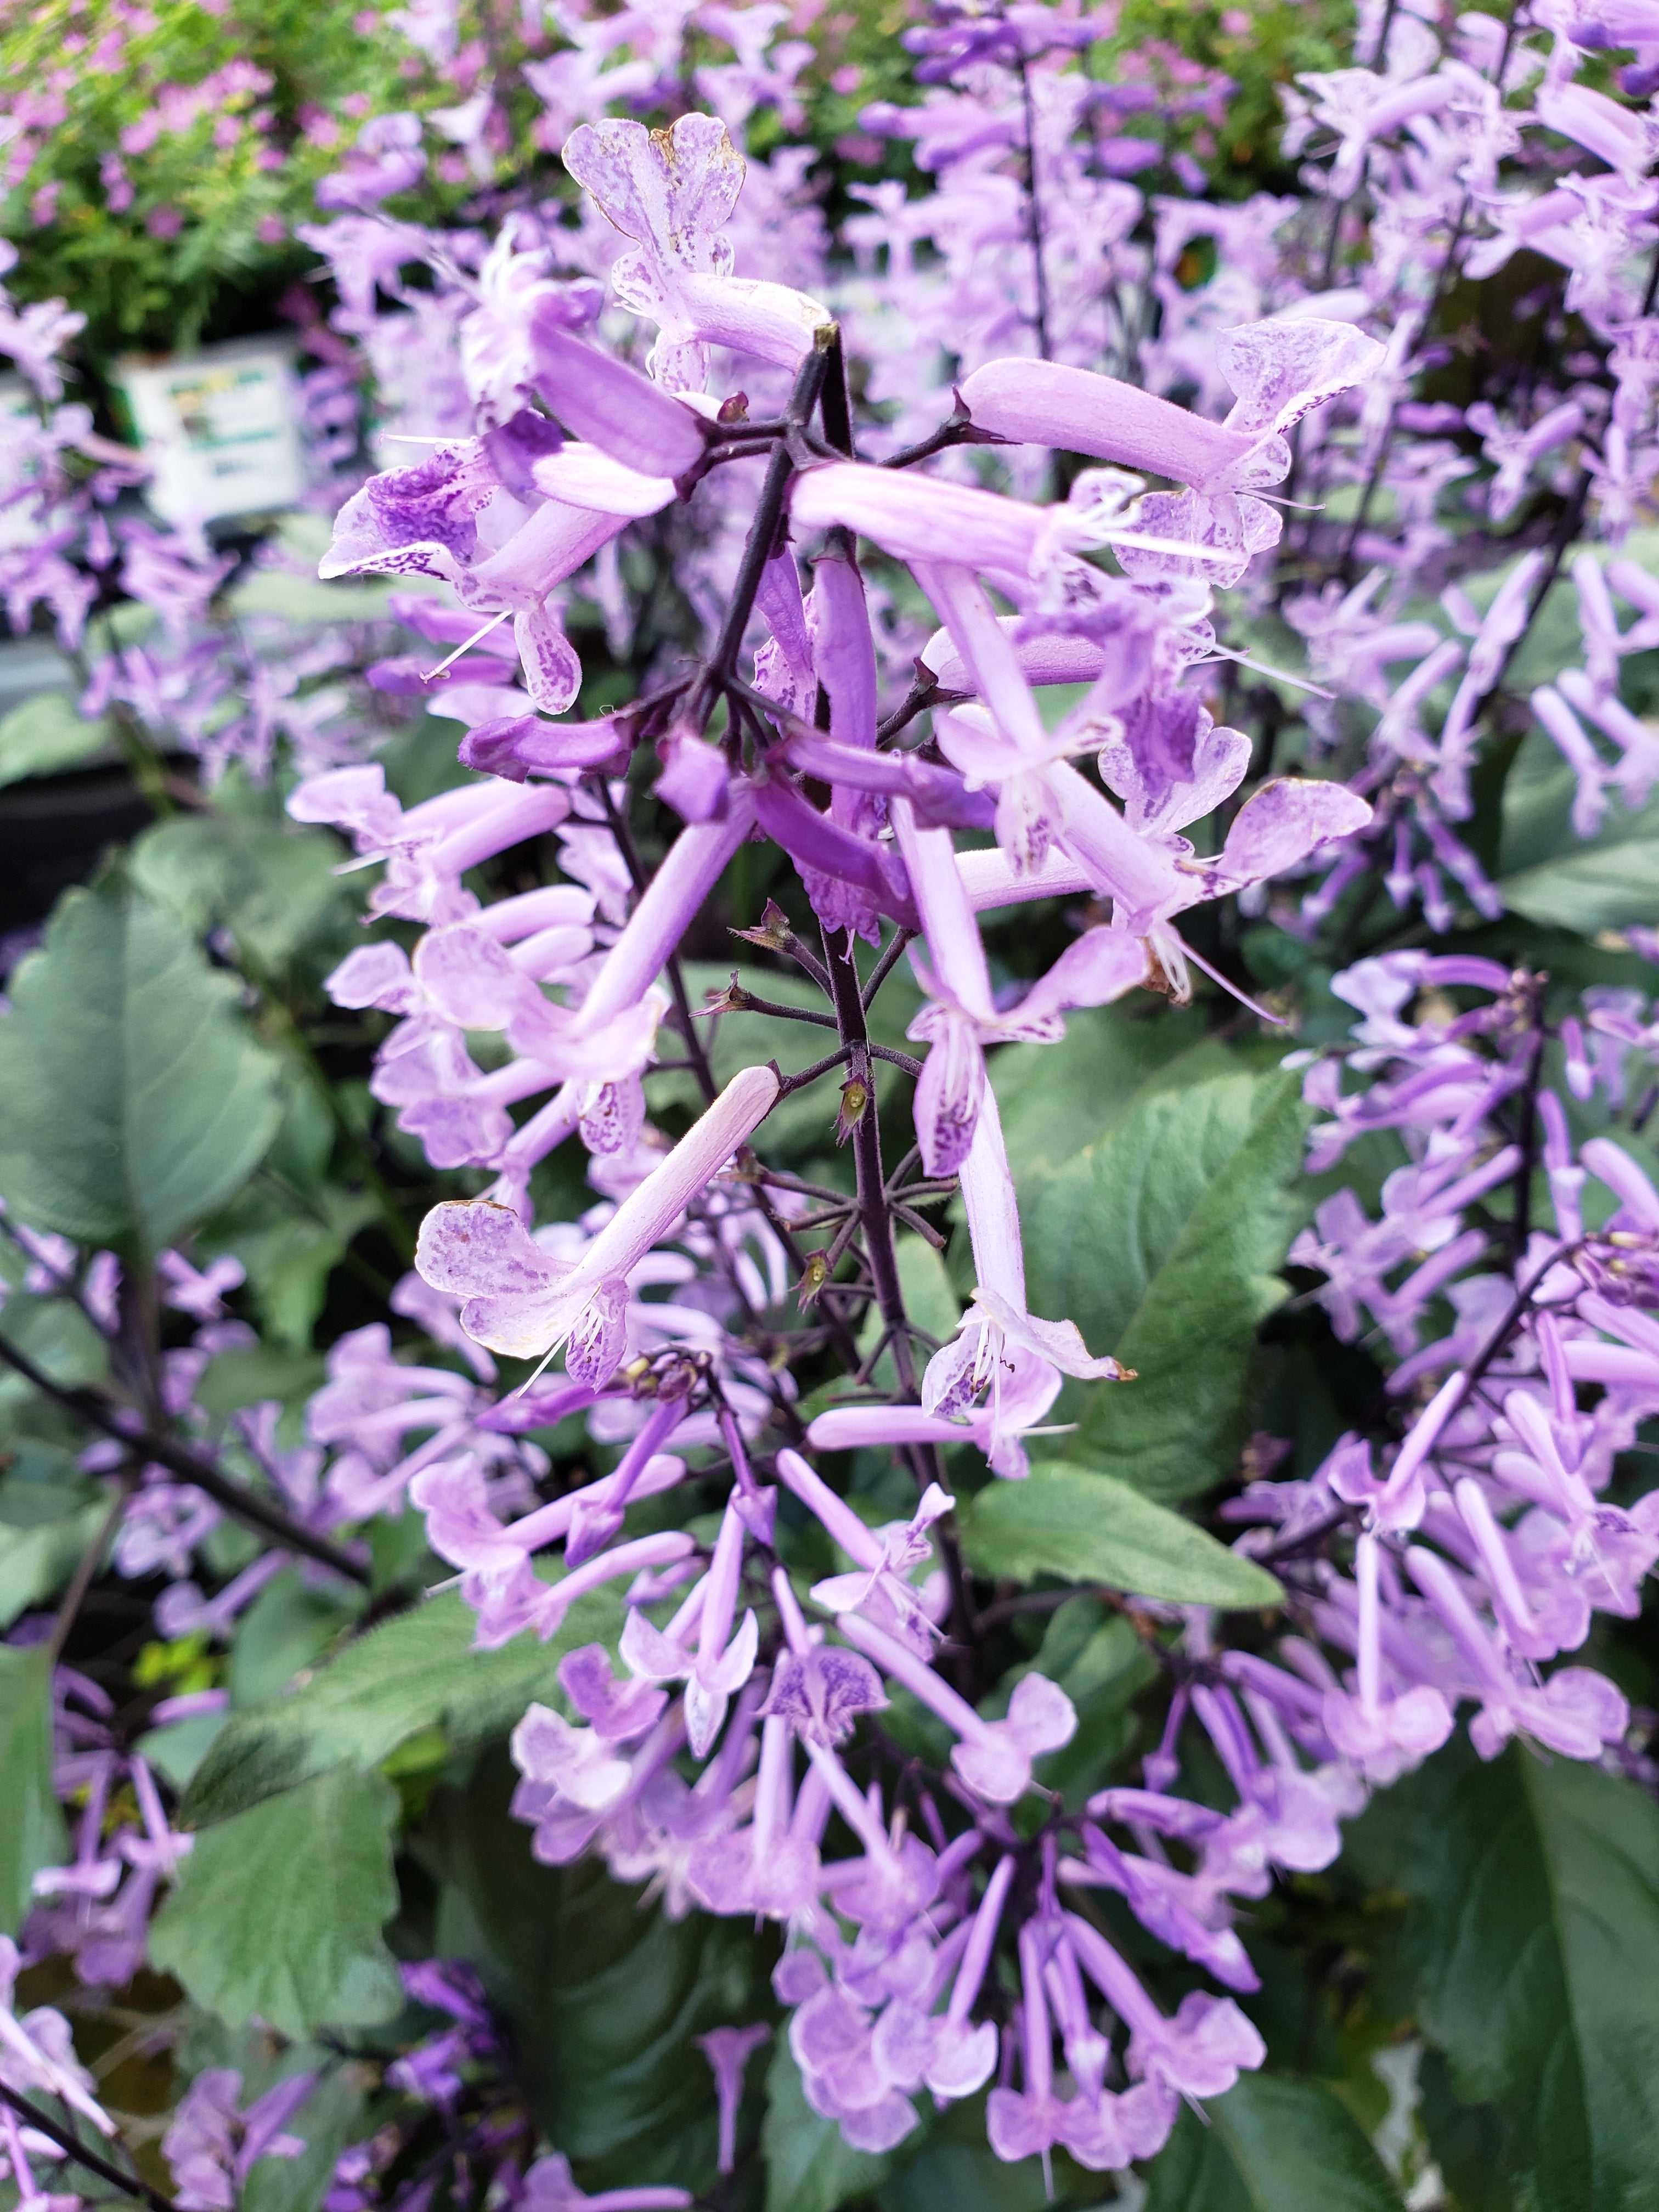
<point x="169" y="219"/>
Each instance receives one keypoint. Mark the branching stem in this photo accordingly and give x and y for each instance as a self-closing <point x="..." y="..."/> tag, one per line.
<point x="242" y="1504"/>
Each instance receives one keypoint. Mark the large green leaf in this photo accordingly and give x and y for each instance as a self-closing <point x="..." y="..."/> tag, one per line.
<point x="46" y="734"/>
<point x="132" y="1098"/>
<point x="1549" y="873"/>
<point x="415" y="1672"/>
<point x="948" y="2162"/>
<point x="289" y="1627"/>
<point x="1087" y="1527"/>
<point x="32" y="1833"/>
<point x="1161" y="1241"/>
<point x="1535" y="1933"/>
<point x="808" y="2166"/>
<point x="605" y="1992"/>
<point x="41" y="1541"/>
<point x="59" y="1337"/>
<point x="273" y="886"/>
<point x="1056" y="1099"/>
<point x="278" y="1912"/>
<point x="289" y="1246"/>
<point x="1270" y="2145"/>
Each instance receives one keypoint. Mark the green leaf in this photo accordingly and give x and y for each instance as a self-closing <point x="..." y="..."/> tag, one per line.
<point x="1551" y="875"/>
<point x="956" y="2166"/>
<point x="250" y="1375"/>
<point x="32" y="1832"/>
<point x="58" y="1337"/>
<point x="1270" y="2145"/>
<point x="278" y="1912"/>
<point x="289" y="1626"/>
<point x="417" y="1671"/>
<point x="1534" y="1931"/>
<point x="1054" y="1099"/>
<point x="46" y="734"/>
<point x="273" y="887"/>
<point x="605" y="1994"/>
<point x="132" y="1098"/>
<point x="809" y="2168"/>
<point x="38" y="1556"/>
<point x="177" y="1750"/>
<point x="1086" y="1527"/>
<point x="1161" y="1241"/>
<point x="287" y="1255"/>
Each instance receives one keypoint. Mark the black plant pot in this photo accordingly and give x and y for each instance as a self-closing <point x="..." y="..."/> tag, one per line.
<point x="54" y="829"/>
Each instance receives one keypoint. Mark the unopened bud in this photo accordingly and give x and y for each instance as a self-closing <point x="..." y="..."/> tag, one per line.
<point x="855" y="1099"/>
<point x="731" y="1000"/>
<point x="774" y="933"/>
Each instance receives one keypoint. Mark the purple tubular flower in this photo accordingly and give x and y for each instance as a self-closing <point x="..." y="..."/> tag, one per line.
<point x="1059" y="658"/>
<point x="843" y="650"/>
<point x="587" y="479"/>
<point x="1281" y="370"/>
<point x="772" y="321"/>
<point x="991" y="880"/>
<point x="1029" y="2122"/>
<point x="938" y="795"/>
<point x="684" y="879"/>
<point x="855" y="1537"/>
<point x="821" y="1691"/>
<point x="462" y="1529"/>
<point x="37" y="2052"/>
<point x="1178" y="1908"/>
<point x="1575" y="1712"/>
<point x="212" y="2143"/>
<point x="549" y="2187"/>
<point x="963" y="2056"/>
<point x="726" y="2050"/>
<point x="515" y="746"/>
<point x="521" y="1303"/>
<point x="1043" y="402"/>
<point x="670" y="192"/>
<point x="1199" y="2053"/>
<point x="723" y="1662"/>
<point x="822" y="850"/>
<point x="919" y="517"/>
<point x="1383" y="1736"/>
<point x="695" y="779"/>
<point x="994" y="1758"/>
<point x="610" y="405"/>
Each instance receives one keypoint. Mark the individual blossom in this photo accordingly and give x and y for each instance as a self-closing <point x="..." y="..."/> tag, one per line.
<point x="671" y="192"/>
<point x="519" y="1301"/>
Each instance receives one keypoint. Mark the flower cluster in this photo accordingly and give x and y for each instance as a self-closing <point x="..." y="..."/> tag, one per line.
<point x="884" y="590"/>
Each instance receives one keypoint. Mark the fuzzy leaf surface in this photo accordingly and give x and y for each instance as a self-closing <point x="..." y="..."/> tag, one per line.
<point x="278" y="1912"/>
<point x="133" y="1099"/>
<point x="416" y="1671"/>
<point x="1272" y="2144"/>
<point x="1087" y="1527"/>
<point x="1162" y="1241"/>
